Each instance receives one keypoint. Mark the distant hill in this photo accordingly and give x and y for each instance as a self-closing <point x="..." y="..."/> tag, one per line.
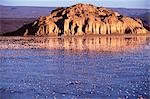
<point x="131" y="12"/>
<point x="24" y="11"/>
<point x="12" y="17"/>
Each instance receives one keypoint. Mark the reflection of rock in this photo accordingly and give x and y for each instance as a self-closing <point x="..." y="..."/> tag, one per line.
<point x="82" y="19"/>
<point x="104" y="43"/>
<point x="97" y="43"/>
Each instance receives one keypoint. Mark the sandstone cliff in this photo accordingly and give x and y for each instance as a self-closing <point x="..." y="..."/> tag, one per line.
<point x="81" y="19"/>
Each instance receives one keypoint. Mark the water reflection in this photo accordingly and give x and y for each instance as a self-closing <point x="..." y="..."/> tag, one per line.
<point x="103" y="43"/>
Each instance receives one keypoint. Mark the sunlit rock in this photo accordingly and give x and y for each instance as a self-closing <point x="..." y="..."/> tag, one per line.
<point x="82" y="19"/>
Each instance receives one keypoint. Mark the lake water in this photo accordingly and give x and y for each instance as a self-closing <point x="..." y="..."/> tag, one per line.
<point x="106" y="67"/>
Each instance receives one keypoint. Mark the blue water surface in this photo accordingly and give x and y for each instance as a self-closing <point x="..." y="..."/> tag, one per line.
<point x="68" y="74"/>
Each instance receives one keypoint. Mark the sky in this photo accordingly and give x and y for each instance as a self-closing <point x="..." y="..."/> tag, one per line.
<point x="65" y="3"/>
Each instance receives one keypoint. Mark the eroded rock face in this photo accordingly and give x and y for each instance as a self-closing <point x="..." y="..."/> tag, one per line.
<point x="82" y="19"/>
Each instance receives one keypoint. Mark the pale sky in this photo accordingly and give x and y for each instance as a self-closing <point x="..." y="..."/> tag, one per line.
<point x="65" y="3"/>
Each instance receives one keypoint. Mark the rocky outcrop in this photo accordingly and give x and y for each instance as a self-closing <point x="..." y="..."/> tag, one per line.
<point x="82" y="19"/>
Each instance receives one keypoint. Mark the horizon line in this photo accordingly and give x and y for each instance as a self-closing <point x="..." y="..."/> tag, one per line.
<point x="68" y="6"/>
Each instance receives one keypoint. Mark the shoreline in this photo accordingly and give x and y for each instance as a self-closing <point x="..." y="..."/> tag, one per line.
<point x="95" y="35"/>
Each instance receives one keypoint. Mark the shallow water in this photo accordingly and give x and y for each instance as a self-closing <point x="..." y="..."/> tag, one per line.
<point x="75" y="68"/>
